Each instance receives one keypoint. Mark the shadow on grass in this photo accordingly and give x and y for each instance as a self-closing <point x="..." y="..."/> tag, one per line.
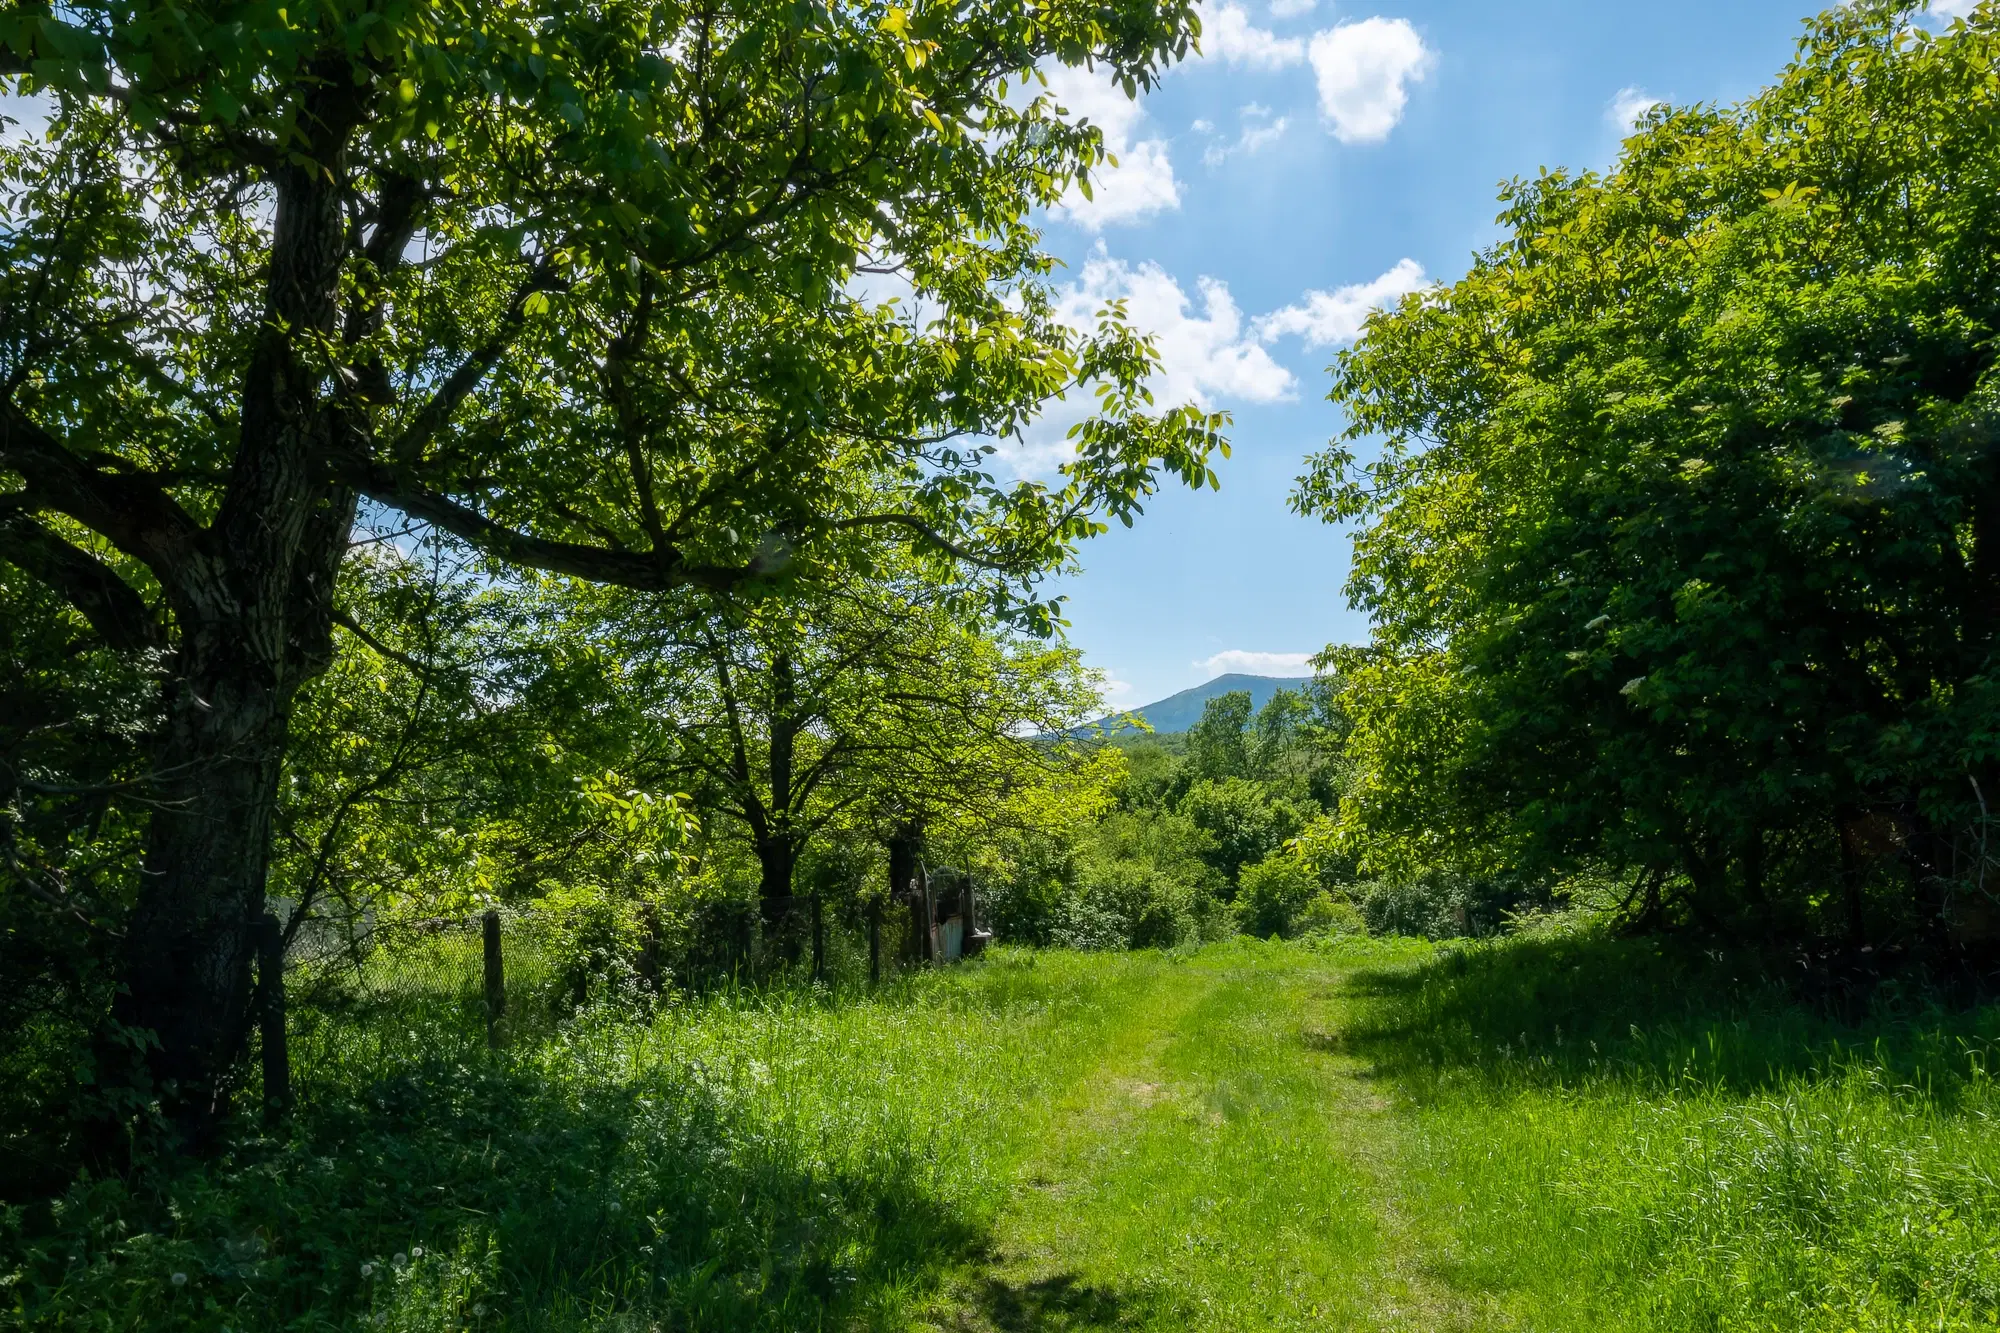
<point x="1057" y="1303"/>
<point x="474" y="1194"/>
<point x="1578" y="1010"/>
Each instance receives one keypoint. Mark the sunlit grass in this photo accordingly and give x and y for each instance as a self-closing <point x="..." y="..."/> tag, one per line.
<point x="1537" y="1133"/>
<point x="1603" y="1134"/>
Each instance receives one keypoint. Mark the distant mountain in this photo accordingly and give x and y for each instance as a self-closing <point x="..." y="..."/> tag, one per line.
<point x="1178" y="712"/>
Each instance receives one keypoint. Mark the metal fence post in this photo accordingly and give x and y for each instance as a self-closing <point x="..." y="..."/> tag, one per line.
<point x="819" y="940"/>
<point x="875" y="942"/>
<point x="277" y="1059"/>
<point x="496" y="981"/>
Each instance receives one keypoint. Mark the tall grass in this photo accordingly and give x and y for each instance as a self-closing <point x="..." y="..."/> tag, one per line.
<point x="778" y="1159"/>
<point x="1537" y="1133"/>
<point x="1614" y="1133"/>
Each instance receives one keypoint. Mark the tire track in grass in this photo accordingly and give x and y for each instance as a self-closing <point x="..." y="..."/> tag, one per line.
<point x="1379" y="1146"/>
<point x="1215" y="1170"/>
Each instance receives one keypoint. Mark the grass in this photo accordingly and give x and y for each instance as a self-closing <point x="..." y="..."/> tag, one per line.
<point x="1539" y="1134"/>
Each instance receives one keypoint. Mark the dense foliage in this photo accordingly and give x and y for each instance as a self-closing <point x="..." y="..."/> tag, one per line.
<point x="1202" y="834"/>
<point x="575" y="285"/>
<point x="1683" y="544"/>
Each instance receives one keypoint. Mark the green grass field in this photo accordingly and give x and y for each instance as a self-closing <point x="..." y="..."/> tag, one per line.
<point x="1535" y="1134"/>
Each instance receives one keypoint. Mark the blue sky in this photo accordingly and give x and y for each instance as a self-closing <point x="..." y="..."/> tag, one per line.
<point x="1317" y="158"/>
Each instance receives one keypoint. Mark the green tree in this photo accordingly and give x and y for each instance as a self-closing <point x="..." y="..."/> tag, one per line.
<point x="568" y="283"/>
<point x="1684" y="543"/>
<point x="1216" y="746"/>
<point x="887" y="704"/>
<point x="1244" y="822"/>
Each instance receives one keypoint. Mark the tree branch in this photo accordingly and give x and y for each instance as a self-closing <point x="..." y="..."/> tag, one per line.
<point x="354" y="627"/>
<point x="925" y="532"/>
<point x="643" y="571"/>
<point x="118" y="614"/>
<point x="128" y="509"/>
<point x="458" y="386"/>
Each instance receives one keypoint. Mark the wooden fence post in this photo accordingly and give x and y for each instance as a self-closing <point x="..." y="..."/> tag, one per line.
<point x="496" y="980"/>
<point x="277" y="1058"/>
<point x="875" y="942"/>
<point x="819" y="939"/>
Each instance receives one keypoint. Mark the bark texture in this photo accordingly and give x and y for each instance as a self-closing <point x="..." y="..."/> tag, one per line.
<point x="253" y="604"/>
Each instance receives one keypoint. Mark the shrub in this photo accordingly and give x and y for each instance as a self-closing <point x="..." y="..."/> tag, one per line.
<point x="1273" y="895"/>
<point x="594" y="939"/>
<point x="1241" y="821"/>
<point x="1325" y="914"/>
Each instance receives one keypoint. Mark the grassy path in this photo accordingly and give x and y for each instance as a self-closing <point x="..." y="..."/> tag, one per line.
<point x="1561" y="1135"/>
<point x="1222" y="1166"/>
<point x="1552" y="1135"/>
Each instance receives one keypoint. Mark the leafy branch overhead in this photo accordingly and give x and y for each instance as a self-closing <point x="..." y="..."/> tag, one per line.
<point x="576" y="286"/>
<point x="595" y="305"/>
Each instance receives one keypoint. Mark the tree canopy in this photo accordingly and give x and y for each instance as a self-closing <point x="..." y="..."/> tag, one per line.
<point x="574" y="285"/>
<point x="1683" y="543"/>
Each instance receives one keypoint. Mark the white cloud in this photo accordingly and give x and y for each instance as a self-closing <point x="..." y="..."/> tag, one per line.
<point x="1363" y="71"/>
<point x="1337" y="316"/>
<point x="1114" y="691"/>
<point x="1142" y="182"/>
<point x="1228" y="35"/>
<point x="1626" y="108"/>
<point x="1207" y="352"/>
<point x="1259" y="132"/>
<point x="1952" y="9"/>
<point x="1257" y="664"/>
<point x="1204" y="355"/>
<point x="1286" y="9"/>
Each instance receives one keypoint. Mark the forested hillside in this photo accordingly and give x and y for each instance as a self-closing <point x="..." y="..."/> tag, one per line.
<point x="1181" y="710"/>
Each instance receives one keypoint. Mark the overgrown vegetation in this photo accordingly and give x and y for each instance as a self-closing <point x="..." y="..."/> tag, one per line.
<point x="1561" y="1131"/>
<point x="1608" y="943"/>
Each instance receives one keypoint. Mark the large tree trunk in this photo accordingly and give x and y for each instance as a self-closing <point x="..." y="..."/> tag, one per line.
<point x="186" y="959"/>
<point x="253" y="615"/>
<point x="778" y="861"/>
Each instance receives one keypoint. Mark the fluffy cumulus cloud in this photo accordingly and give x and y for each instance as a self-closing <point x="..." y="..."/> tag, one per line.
<point x="1952" y="9"/>
<point x="1364" y="71"/>
<point x="1207" y="351"/>
<point x="1143" y="181"/>
<point x="1257" y="664"/>
<point x="1626" y="108"/>
<point x="1227" y="34"/>
<point x="1287" y="9"/>
<point x="1325" y="318"/>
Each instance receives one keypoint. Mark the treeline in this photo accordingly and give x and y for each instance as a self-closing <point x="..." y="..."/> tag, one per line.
<point x="657" y="778"/>
<point x="1682" y="545"/>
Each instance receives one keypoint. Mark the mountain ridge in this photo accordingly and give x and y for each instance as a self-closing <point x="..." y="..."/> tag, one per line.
<point x="1179" y="711"/>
